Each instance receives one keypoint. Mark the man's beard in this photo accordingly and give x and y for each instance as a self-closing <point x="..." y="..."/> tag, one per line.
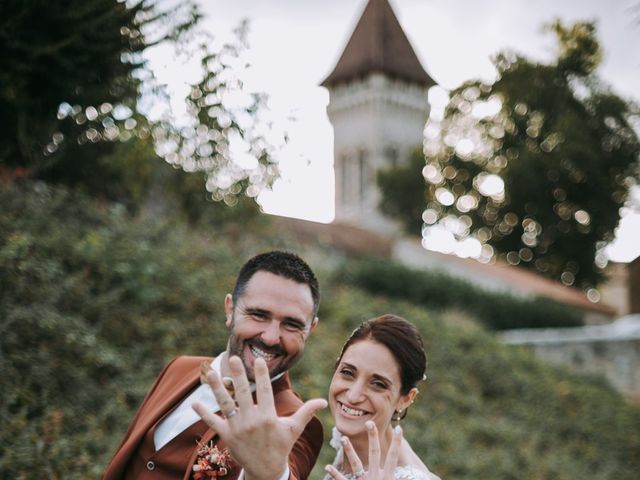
<point x="237" y="347"/>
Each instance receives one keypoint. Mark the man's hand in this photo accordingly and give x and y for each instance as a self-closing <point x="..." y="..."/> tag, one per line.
<point x="258" y="439"/>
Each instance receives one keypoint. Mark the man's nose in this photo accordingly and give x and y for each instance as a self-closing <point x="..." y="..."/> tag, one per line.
<point x="271" y="334"/>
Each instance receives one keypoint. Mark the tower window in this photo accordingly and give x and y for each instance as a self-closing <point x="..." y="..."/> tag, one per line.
<point x="344" y="179"/>
<point x="363" y="174"/>
<point x="391" y="156"/>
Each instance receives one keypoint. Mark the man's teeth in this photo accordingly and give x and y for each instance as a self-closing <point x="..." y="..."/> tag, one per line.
<point x="262" y="354"/>
<point x="351" y="411"/>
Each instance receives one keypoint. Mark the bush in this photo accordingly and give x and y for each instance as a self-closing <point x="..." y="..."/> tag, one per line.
<point x="486" y="410"/>
<point x="436" y="290"/>
<point x="93" y="303"/>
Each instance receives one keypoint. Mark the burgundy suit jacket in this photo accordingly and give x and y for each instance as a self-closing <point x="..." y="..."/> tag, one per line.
<point x="173" y="385"/>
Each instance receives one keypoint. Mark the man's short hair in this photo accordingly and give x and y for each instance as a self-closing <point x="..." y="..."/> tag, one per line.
<point x="284" y="264"/>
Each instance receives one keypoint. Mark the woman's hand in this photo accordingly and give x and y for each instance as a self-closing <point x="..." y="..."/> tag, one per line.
<point x="378" y="469"/>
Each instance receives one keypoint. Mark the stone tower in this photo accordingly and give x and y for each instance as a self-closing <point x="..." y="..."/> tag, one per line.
<point x="378" y="108"/>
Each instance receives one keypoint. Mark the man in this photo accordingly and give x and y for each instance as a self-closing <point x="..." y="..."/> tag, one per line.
<point x="269" y="315"/>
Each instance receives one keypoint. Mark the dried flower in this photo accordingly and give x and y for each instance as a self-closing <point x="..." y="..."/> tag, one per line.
<point x="211" y="462"/>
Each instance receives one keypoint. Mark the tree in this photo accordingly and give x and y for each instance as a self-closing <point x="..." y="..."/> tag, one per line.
<point x="80" y="53"/>
<point x="74" y="84"/>
<point x="536" y="165"/>
<point x="404" y="194"/>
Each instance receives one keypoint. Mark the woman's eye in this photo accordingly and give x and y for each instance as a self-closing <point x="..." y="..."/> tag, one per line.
<point x="346" y="372"/>
<point x="380" y="385"/>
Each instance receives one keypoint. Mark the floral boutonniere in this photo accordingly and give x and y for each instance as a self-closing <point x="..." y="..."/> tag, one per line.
<point x="211" y="462"/>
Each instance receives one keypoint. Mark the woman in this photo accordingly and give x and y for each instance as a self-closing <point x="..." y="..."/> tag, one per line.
<point x="374" y="384"/>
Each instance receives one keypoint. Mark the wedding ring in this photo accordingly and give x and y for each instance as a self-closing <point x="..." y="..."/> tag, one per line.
<point x="359" y="473"/>
<point x="231" y="413"/>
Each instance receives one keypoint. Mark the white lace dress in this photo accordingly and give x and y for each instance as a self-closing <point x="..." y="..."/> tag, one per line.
<point x="400" y="473"/>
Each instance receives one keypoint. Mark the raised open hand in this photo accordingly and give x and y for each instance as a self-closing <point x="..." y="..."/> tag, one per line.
<point x="258" y="439"/>
<point x="378" y="470"/>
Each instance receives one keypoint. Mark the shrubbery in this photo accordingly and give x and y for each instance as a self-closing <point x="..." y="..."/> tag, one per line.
<point x="436" y="290"/>
<point x="487" y="411"/>
<point x="93" y="303"/>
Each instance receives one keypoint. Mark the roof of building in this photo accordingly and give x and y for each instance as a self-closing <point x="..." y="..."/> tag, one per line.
<point x="378" y="44"/>
<point x="351" y="239"/>
<point x="359" y="241"/>
<point x="521" y="280"/>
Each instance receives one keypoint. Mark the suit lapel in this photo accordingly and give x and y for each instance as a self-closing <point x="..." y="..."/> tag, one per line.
<point x="178" y="383"/>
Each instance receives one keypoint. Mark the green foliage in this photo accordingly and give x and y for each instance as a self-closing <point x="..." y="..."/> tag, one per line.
<point x="564" y="147"/>
<point x="224" y="137"/>
<point x="93" y="304"/>
<point x="403" y="192"/>
<point x="76" y="93"/>
<point x="86" y="53"/>
<point x="437" y="290"/>
<point x="486" y="410"/>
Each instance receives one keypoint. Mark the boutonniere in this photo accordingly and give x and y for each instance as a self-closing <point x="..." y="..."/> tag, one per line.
<point x="211" y="462"/>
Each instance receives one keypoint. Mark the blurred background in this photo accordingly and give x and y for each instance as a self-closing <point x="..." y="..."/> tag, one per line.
<point x="470" y="166"/>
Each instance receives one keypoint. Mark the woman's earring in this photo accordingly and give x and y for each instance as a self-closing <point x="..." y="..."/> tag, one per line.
<point x="397" y="416"/>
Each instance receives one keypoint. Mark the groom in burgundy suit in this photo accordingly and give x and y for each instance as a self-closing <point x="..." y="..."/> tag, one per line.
<point x="190" y="426"/>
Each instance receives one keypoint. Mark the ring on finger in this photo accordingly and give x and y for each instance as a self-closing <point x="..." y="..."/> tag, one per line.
<point x="359" y="473"/>
<point x="231" y="413"/>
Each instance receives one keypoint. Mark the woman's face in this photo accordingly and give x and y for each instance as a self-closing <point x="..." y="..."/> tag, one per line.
<point x="366" y="386"/>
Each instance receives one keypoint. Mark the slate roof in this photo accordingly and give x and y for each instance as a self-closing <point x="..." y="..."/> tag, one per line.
<point x="378" y="44"/>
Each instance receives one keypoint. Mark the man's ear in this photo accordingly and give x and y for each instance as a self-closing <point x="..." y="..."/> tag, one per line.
<point x="228" y="309"/>
<point x="313" y="324"/>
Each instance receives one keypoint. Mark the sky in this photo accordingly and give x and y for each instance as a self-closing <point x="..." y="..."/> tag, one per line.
<point x="294" y="45"/>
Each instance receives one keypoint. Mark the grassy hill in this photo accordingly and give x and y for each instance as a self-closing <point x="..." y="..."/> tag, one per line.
<point x="93" y="303"/>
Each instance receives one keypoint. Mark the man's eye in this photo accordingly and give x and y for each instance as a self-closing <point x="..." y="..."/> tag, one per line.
<point x="294" y="327"/>
<point x="259" y="315"/>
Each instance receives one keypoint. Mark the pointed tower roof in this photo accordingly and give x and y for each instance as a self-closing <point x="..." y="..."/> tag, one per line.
<point x="378" y="44"/>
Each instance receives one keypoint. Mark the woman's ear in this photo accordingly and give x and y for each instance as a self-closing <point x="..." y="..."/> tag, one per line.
<point x="407" y="400"/>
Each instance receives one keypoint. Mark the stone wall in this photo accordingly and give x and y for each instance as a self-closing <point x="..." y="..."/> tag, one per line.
<point x="609" y="350"/>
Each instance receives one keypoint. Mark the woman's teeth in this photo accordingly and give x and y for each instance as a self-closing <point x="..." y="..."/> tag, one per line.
<point x="351" y="411"/>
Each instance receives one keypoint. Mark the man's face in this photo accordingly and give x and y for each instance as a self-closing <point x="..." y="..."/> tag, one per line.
<point x="272" y="320"/>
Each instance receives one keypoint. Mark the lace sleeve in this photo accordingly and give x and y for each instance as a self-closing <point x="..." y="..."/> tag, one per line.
<point x="410" y="473"/>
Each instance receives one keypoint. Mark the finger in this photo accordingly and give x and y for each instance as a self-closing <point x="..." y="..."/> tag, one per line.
<point x="306" y="412"/>
<point x="334" y="473"/>
<point x="374" y="447"/>
<point x="223" y="398"/>
<point x="205" y="367"/>
<point x="241" y="383"/>
<point x="393" y="454"/>
<point x="216" y="423"/>
<point x="228" y="385"/>
<point x="352" y="456"/>
<point x="264" y="391"/>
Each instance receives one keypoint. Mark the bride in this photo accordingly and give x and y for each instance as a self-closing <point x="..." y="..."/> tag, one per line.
<point x="374" y="384"/>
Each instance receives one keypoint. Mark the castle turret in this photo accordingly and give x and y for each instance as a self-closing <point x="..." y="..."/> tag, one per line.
<point x="378" y="108"/>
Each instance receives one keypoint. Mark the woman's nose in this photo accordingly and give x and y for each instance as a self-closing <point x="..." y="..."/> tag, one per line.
<point x="355" y="393"/>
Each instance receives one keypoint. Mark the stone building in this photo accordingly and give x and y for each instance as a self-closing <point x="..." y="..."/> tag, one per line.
<point x="378" y="108"/>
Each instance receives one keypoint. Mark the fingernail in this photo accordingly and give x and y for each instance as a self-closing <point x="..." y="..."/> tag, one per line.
<point x="369" y="425"/>
<point x="397" y="430"/>
<point x="327" y="469"/>
<point x="343" y="440"/>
